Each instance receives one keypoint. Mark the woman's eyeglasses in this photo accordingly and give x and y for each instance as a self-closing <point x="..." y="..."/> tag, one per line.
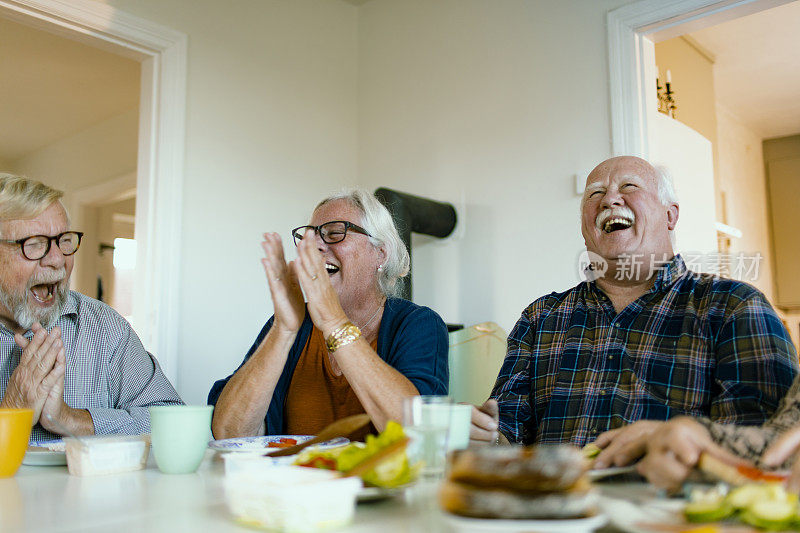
<point x="330" y="232"/>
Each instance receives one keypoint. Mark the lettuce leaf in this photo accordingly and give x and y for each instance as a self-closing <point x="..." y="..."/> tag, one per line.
<point x="393" y="472"/>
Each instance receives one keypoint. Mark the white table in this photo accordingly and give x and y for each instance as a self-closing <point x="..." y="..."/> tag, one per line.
<point x="47" y="498"/>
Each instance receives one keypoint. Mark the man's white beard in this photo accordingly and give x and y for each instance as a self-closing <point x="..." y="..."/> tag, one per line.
<point x="25" y="315"/>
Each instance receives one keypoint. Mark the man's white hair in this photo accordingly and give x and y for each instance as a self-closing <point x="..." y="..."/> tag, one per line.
<point x="666" y="193"/>
<point x="666" y="187"/>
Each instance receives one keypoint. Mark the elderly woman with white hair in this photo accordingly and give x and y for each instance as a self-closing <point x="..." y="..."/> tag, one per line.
<point x="352" y="348"/>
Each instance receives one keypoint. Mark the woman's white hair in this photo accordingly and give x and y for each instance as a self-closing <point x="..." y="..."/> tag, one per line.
<point x="377" y="220"/>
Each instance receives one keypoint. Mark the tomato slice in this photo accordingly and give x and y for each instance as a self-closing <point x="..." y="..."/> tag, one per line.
<point x="759" y="475"/>
<point x="283" y="442"/>
<point x="321" y="462"/>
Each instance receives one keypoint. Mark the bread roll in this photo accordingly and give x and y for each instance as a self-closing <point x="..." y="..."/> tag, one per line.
<point x="539" y="482"/>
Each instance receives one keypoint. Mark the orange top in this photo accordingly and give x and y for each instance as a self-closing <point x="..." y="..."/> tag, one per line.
<point x="317" y="396"/>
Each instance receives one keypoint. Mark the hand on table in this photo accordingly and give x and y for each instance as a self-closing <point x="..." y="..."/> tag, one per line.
<point x="287" y="297"/>
<point x="32" y="381"/>
<point x="674" y="449"/>
<point x="323" y="302"/>
<point x="786" y="446"/>
<point x="623" y="446"/>
<point x="485" y="423"/>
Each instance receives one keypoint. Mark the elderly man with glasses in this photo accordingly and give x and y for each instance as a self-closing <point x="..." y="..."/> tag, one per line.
<point x="353" y="348"/>
<point x="73" y="360"/>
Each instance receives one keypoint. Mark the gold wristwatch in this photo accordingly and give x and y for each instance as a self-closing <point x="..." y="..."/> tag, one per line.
<point x="345" y="334"/>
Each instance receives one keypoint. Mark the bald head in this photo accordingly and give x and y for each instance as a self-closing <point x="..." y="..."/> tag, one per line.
<point x="628" y="208"/>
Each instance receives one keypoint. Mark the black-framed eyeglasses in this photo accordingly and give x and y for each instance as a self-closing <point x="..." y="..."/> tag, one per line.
<point x="37" y="246"/>
<point x="330" y="232"/>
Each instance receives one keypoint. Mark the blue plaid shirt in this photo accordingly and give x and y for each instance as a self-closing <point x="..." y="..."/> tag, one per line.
<point x="693" y="345"/>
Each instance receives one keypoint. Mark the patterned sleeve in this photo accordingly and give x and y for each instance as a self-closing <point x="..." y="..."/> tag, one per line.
<point x="756" y="361"/>
<point x="135" y="382"/>
<point x="512" y="388"/>
<point x="750" y="442"/>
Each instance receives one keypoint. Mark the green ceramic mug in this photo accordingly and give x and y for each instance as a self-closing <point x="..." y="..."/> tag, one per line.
<point x="180" y="435"/>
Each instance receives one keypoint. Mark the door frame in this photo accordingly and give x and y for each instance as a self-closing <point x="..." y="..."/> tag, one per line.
<point x="632" y="31"/>
<point x="160" y="165"/>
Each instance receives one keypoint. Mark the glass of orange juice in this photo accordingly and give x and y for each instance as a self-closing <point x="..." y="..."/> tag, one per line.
<point x="15" y="430"/>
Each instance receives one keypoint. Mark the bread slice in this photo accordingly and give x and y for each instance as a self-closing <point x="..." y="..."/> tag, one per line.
<point x="735" y="474"/>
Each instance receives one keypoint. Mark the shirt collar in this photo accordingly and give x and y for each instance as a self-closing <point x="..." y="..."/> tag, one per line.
<point x="71" y="305"/>
<point x="669" y="273"/>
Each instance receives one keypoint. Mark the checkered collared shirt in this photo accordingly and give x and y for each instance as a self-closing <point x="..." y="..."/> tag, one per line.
<point x="694" y="345"/>
<point x="108" y="371"/>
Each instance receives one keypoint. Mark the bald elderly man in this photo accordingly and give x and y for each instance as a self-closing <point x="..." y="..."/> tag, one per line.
<point x="643" y="338"/>
<point x="71" y="359"/>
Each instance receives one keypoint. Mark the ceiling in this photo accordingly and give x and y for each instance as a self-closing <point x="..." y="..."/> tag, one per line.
<point x="757" y="68"/>
<point x="53" y="87"/>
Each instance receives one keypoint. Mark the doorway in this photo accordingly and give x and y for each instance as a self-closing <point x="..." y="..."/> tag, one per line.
<point x="690" y="33"/>
<point x="161" y="54"/>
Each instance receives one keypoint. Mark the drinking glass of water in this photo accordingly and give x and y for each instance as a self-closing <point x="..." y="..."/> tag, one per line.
<point x="426" y="420"/>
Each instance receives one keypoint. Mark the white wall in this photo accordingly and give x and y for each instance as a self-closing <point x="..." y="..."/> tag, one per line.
<point x="742" y="179"/>
<point x="502" y="101"/>
<point x="690" y="160"/>
<point x="271" y="129"/>
<point x="498" y="102"/>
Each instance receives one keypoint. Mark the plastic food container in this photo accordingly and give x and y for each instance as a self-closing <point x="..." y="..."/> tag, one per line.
<point x="288" y="498"/>
<point x="106" y="454"/>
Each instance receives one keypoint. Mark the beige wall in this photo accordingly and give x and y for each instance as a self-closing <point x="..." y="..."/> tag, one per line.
<point x="81" y="162"/>
<point x="693" y="83"/>
<point x="782" y="163"/>
<point x="741" y="167"/>
<point x="96" y="154"/>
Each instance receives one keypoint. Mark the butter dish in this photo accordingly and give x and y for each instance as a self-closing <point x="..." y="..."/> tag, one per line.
<point x="106" y="454"/>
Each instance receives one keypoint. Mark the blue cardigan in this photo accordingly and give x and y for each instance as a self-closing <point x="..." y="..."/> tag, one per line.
<point x="412" y="339"/>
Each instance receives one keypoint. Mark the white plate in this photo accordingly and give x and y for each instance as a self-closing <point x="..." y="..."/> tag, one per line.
<point x="260" y="444"/>
<point x="39" y="454"/>
<point x="373" y="494"/>
<point x="648" y="516"/>
<point x="599" y="473"/>
<point x="489" y="525"/>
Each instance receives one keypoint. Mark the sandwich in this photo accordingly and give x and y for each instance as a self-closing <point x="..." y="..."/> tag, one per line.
<point x="735" y="474"/>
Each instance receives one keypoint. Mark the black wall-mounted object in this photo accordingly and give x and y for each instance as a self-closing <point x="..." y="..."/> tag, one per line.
<point x="417" y="214"/>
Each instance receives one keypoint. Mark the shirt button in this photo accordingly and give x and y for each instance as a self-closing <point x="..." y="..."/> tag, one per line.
<point x="602" y="393"/>
<point x="611" y="357"/>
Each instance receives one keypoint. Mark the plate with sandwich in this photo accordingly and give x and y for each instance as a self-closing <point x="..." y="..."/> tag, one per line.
<point x="514" y="488"/>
